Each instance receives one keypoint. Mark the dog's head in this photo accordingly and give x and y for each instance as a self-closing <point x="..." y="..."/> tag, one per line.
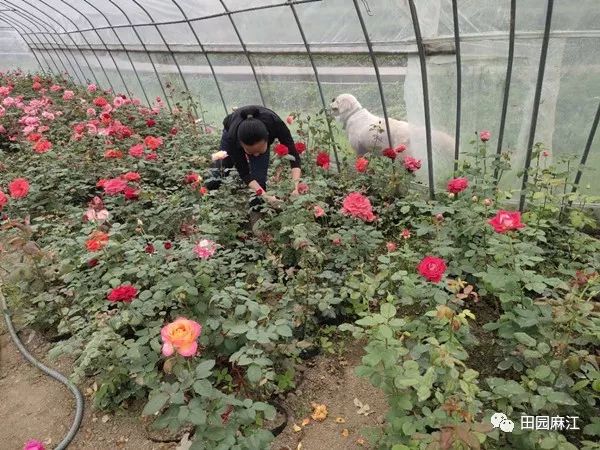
<point x="343" y="104"/>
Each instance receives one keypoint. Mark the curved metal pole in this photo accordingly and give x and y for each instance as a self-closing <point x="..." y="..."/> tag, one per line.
<point x="376" y="67"/>
<point x="314" y="67"/>
<point x="212" y="70"/>
<point x="536" y="100"/>
<point x="185" y="85"/>
<point x="87" y="43"/>
<point x="51" y="33"/>
<point x="137" y="76"/>
<point x="458" y="83"/>
<point x="511" y="53"/>
<point x="586" y="151"/>
<point x="105" y="48"/>
<point x="419" y="39"/>
<point x="245" y="49"/>
<point x="17" y="28"/>
<point x="112" y="2"/>
<point x="48" y="45"/>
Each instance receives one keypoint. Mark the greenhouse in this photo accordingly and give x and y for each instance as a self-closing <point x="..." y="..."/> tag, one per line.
<point x="300" y="224"/>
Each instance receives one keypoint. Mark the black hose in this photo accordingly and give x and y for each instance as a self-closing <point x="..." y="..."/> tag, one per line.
<point x="51" y="372"/>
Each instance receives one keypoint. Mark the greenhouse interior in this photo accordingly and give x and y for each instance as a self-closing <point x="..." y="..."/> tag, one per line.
<point x="300" y="224"/>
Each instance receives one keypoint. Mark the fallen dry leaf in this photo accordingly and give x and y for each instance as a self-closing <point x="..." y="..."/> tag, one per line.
<point x="319" y="412"/>
<point x="305" y="422"/>
<point x="345" y="432"/>
<point x="361" y="441"/>
<point x="296" y="428"/>
<point x="340" y="420"/>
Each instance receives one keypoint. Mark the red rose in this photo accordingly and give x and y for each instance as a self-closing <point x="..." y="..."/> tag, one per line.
<point x="391" y="247"/>
<point x="289" y="119"/>
<point x="545" y="153"/>
<point x="123" y="293"/>
<point x="34" y="137"/>
<point x="113" y="154"/>
<point x="114" y="186"/>
<point x="203" y="190"/>
<point x="357" y="205"/>
<point x="97" y="241"/>
<point x="131" y="176"/>
<point x="361" y="164"/>
<point x="150" y="249"/>
<point x="412" y="164"/>
<point x="131" y="193"/>
<point x="390" y="153"/>
<point x="506" y="221"/>
<point x="400" y="148"/>
<point x="167" y="245"/>
<point x="432" y="268"/>
<point x="37" y="86"/>
<point x="281" y="150"/>
<point x="336" y="241"/>
<point x="485" y="136"/>
<point x="43" y="146"/>
<point x="405" y="234"/>
<point x="3" y="200"/>
<point x="191" y="177"/>
<point x="259" y="192"/>
<point x="323" y="160"/>
<point x="150" y="123"/>
<point x="457" y="185"/>
<point x="137" y="151"/>
<point x="174" y="131"/>
<point x="300" y="147"/>
<point x="151" y="156"/>
<point x="100" y="102"/>
<point x="92" y="262"/>
<point x="18" y="188"/>
<point x="303" y="188"/>
<point x="153" y="142"/>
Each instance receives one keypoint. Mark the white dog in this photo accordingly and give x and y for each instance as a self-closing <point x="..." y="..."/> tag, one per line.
<point x="367" y="132"/>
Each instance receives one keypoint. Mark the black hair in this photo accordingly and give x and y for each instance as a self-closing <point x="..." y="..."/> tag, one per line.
<point x="251" y="130"/>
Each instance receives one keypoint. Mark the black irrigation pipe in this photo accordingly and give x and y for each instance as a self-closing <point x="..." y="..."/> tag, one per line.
<point x="185" y="85"/>
<point x="79" y="403"/>
<point x="419" y="39"/>
<point x="458" y="83"/>
<point x="135" y="72"/>
<point x="115" y="4"/>
<point x="27" y="41"/>
<point x="586" y="151"/>
<point x="84" y="39"/>
<point x="202" y="49"/>
<point x="319" y="86"/>
<point x="45" y="35"/>
<point x="376" y="67"/>
<point x="196" y="19"/>
<point x="245" y="49"/>
<point x="509" y="66"/>
<point x="52" y="32"/>
<point x="536" y="101"/>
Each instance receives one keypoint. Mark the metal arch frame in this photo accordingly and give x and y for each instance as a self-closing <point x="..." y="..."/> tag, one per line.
<point x="536" y="101"/>
<point x="509" y="65"/>
<point x="72" y="40"/>
<point x="112" y="2"/>
<point x="245" y="49"/>
<point x="185" y="85"/>
<point x="586" y="151"/>
<point x="105" y="48"/>
<point x="53" y="34"/>
<point x="423" y="64"/>
<point x="377" y="74"/>
<point x="458" y="83"/>
<point x="203" y="50"/>
<point x="196" y="19"/>
<point x="137" y="76"/>
<point x="9" y="21"/>
<point x="317" y="79"/>
<point x="48" y="43"/>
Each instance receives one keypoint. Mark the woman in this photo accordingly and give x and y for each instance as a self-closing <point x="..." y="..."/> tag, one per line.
<point x="247" y="136"/>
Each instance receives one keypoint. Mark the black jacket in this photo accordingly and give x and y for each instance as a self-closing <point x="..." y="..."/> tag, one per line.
<point x="277" y="130"/>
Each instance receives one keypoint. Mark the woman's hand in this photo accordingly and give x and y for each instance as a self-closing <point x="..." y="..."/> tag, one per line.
<point x="272" y="200"/>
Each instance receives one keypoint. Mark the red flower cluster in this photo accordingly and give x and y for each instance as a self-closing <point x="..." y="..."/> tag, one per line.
<point x="124" y="293"/>
<point x="323" y="160"/>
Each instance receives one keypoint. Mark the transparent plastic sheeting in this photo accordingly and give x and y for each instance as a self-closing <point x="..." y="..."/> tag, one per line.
<point x="256" y="53"/>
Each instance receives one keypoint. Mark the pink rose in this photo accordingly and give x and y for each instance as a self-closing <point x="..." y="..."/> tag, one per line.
<point x="485" y="136"/>
<point x="357" y="205"/>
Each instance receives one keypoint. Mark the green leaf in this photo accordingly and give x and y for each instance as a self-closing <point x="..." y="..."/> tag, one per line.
<point x="549" y="442"/>
<point x="155" y="403"/>
<point x="388" y="310"/>
<point x="386" y="332"/>
<point x="203" y="387"/>
<point x="561" y="398"/>
<point x="145" y="295"/>
<point x="203" y="369"/>
<point x="284" y="330"/>
<point x="254" y="373"/>
<point x="197" y="416"/>
<point x="525" y="339"/>
<point x="542" y="372"/>
<point x="592" y="429"/>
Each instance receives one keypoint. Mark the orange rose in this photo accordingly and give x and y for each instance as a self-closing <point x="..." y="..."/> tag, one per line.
<point x="182" y="336"/>
<point x="97" y="241"/>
